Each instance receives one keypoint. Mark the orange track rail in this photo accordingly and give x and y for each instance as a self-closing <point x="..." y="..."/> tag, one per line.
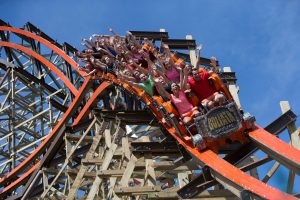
<point x="22" y="166"/>
<point x="84" y="111"/>
<point x="276" y="148"/>
<point x="38" y="151"/>
<point x="20" y="180"/>
<point x="230" y="172"/>
<point x="208" y="157"/>
<point x="45" y="62"/>
<point x="46" y="43"/>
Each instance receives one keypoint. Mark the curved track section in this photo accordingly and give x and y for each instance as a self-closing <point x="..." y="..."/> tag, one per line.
<point x="220" y="170"/>
<point x="44" y="42"/>
<point x="276" y="148"/>
<point x="41" y="149"/>
<point x="33" y="69"/>
<point x="44" y="61"/>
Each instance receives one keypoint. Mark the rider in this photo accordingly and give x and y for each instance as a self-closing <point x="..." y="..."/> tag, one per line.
<point x="179" y="99"/>
<point x="200" y="85"/>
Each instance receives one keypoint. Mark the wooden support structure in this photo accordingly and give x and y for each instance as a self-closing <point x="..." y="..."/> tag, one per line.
<point x="295" y="142"/>
<point x="89" y="155"/>
<point x="138" y="164"/>
<point x="233" y="89"/>
<point x="192" y="51"/>
<point x="127" y="167"/>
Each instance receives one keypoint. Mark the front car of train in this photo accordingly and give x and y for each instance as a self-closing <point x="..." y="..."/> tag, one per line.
<point x="225" y="123"/>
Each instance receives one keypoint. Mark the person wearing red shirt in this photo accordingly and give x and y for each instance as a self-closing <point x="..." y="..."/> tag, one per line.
<point x="200" y="85"/>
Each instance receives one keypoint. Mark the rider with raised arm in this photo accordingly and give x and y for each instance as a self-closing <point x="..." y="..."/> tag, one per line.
<point x="170" y="69"/>
<point x="200" y="85"/>
<point x="147" y="82"/>
<point x="179" y="99"/>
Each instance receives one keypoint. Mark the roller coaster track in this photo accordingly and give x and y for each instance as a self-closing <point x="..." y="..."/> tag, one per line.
<point x="20" y="179"/>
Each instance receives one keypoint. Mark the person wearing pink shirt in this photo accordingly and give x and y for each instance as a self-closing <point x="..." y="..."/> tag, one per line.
<point x="179" y="99"/>
<point x="171" y="70"/>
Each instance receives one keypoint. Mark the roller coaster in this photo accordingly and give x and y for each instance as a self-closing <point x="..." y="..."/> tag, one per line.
<point x="57" y="141"/>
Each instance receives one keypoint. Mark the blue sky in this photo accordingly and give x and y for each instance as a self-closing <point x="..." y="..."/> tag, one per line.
<point x="259" y="39"/>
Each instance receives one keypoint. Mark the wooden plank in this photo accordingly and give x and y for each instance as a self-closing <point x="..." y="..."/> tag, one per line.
<point x="293" y="131"/>
<point x="112" y="181"/>
<point x="71" y="172"/>
<point x="67" y="158"/>
<point x="114" y="173"/>
<point x="171" y="193"/>
<point x="72" y="137"/>
<point x="116" y="197"/>
<point x="68" y="146"/>
<point x="158" y="166"/>
<point x="125" y="147"/>
<point x="136" y="190"/>
<point x="107" y="136"/>
<point x="150" y="173"/>
<point x="192" y="51"/>
<point x="271" y="172"/>
<point x="89" y="155"/>
<point x="233" y="89"/>
<point x="76" y="184"/>
<point x="295" y="141"/>
<point x="107" y="159"/>
<point x="128" y="171"/>
<point x="247" y="161"/>
<point x="183" y="179"/>
<point x="45" y="180"/>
